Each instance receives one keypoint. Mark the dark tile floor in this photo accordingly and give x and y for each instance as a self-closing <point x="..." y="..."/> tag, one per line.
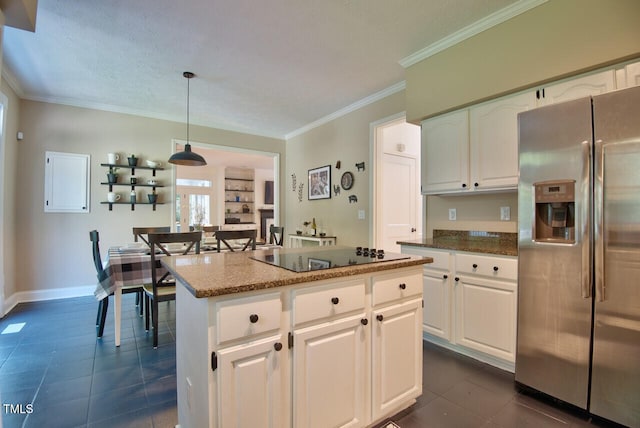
<point x="70" y="379"/>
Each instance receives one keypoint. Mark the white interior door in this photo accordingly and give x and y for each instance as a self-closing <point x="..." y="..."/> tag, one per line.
<point x="399" y="200"/>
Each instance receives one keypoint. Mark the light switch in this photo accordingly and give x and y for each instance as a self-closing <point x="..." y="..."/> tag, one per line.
<point x="360" y="214"/>
<point x="505" y="213"/>
<point x="452" y="214"/>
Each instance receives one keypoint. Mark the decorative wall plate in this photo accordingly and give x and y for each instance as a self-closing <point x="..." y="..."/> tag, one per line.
<point x="347" y="180"/>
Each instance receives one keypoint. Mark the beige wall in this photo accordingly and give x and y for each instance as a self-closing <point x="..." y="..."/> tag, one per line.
<point x="8" y="170"/>
<point x="554" y="40"/>
<point x="473" y="212"/>
<point x="55" y="247"/>
<point x="345" y="139"/>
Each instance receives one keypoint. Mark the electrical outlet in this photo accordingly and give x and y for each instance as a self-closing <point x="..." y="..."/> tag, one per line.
<point x="505" y="213"/>
<point x="452" y="214"/>
<point x="360" y="214"/>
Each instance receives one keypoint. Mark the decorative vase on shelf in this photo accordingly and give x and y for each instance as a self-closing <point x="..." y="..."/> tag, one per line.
<point x="133" y="160"/>
<point x="112" y="178"/>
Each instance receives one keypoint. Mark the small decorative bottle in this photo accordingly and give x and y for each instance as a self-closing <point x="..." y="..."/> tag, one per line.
<point x="133" y="196"/>
<point x="313" y="227"/>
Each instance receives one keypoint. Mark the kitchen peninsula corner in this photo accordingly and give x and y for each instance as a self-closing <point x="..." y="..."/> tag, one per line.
<point x="261" y="345"/>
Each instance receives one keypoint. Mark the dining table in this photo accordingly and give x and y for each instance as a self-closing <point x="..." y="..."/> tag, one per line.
<point x="130" y="264"/>
<point x="125" y="265"/>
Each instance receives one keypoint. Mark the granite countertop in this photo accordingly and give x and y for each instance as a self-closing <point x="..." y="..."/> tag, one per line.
<point x="498" y="243"/>
<point x="217" y="274"/>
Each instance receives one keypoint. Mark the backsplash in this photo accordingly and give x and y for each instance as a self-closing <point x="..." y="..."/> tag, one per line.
<point x="503" y="237"/>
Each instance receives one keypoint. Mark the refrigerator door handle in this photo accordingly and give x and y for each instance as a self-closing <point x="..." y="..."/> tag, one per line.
<point x="598" y="221"/>
<point x="585" y="232"/>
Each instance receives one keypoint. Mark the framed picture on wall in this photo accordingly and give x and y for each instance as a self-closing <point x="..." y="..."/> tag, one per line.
<point x="320" y="183"/>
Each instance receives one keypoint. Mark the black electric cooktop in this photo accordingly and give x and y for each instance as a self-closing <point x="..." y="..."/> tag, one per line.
<point x="325" y="259"/>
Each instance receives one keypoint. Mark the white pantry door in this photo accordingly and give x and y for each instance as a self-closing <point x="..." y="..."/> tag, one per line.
<point x="399" y="200"/>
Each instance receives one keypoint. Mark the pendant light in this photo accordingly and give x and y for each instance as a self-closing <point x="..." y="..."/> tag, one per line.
<point x="187" y="157"/>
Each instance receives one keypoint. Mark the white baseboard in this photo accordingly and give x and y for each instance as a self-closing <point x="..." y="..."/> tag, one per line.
<point x="476" y="355"/>
<point x="40" y="295"/>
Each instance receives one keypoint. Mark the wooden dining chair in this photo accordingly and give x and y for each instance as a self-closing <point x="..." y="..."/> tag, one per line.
<point x="142" y="232"/>
<point x="276" y="235"/>
<point x="224" y="236"/>
<point x="103" y="305"/>
<point x="163" y="288"/>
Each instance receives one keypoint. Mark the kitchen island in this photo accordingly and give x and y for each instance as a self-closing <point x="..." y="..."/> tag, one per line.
<point x="259" y="345"/>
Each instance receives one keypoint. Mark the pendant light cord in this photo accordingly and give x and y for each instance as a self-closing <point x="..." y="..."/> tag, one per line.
<point x="188" y="91"/>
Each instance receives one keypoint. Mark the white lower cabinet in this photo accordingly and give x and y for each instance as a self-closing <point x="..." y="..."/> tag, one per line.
<point x="329" y="374"/>
<point x="397" y="356"/>
<point x="470" y="304"/>
<point x="254" y="374"/>
<point x="334" y="353"/>
<point x="486" y="316"/>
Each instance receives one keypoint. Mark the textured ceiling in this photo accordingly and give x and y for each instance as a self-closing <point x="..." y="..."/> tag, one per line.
<point x="267" y="67"/>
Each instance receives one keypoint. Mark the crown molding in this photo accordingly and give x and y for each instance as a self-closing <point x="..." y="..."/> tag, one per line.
<point x="11" y="80"/>
<point x="400" y="86"/>
<point x="469" y="31"/>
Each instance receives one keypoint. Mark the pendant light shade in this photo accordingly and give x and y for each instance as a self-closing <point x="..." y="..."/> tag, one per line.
<point x="187" y="157"/>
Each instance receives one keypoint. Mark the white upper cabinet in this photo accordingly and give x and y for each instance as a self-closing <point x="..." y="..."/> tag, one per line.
<point x="630" y="76"/>
<point x="476" y="149"/>
<point x="445" y="153"/>
<point x="593" y="84"/>
<point x="494" y="141"/>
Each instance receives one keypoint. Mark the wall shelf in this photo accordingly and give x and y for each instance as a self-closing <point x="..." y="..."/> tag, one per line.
<point x="239" y="183"/>
<point x="113" y="167"/>
<point x="133" y="204"/>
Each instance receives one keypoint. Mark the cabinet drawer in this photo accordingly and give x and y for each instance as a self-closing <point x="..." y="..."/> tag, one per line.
<point x="328" y="301"/>
<point x="248" y="316"/>
<point x="387" y="288"/>
<point x="493" y="267"/>
<point x="440" y="258"/>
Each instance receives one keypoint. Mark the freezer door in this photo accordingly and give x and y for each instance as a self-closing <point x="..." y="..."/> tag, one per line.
<point x="615" y="385"/>
<point x="554" y="279"/>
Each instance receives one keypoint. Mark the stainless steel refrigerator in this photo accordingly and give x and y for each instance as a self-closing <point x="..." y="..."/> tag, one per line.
<point x="579" y="253"/>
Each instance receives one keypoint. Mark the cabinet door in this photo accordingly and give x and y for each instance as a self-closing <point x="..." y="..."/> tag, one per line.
<point x="486" y="316"/>
<point x="66" y="182"/>
<point x="632" y="76"/>
<point x="436" y="314"/>
<point x="445" y="153"/>
<point x="494" y="141"/>
<point x="252" y="384"/>
<point x="396" y="356"/>
<point x="594" y="84"/>
<point x="330" y="374"/>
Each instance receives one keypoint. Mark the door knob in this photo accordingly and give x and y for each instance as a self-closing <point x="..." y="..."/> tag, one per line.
<point x="277" y="346"/>
<point x="253" y="318"/>
<point x="364" y="321"/>
<point x="379" y="317"/>
<point x="335" y="300"/>
<point x="413" y="229"/>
